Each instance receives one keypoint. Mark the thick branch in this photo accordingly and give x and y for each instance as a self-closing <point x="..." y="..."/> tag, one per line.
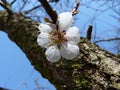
<point x="93" y="69"/>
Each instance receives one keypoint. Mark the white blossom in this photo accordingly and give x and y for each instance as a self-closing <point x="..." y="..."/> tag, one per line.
<point x="60" y="39"/>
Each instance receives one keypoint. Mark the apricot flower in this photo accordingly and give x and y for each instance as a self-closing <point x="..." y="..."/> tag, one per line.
<point x="60" y="39"/>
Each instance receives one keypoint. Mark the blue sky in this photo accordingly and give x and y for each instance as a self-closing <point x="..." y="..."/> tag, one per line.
<point x="16" y="71"/>
<point x="15" y="68"/>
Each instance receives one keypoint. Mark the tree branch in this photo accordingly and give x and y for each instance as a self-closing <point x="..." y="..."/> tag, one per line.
<point x="50" y="12"/>
<point x="93" y="69"/>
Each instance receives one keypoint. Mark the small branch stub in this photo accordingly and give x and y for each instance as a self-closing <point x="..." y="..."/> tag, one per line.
<point x="89" y="32"/>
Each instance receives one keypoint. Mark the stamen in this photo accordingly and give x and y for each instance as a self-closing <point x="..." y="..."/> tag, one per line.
<point x="58" y="37"/>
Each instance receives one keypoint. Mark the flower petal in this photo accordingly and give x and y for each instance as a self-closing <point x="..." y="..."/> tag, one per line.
<point x="69" y="51"/>
<point x="46" y="27"/>
<point x="53" y="54"/>
<point x="65" y="21"/>
<point x="43" y="39"/>
<point x="73" y="35"/>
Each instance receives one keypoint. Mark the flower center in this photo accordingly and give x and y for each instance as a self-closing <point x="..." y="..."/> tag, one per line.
<point x="58" y="37"/>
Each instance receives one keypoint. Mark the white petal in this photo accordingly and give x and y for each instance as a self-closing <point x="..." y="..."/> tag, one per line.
<point x="53" y="54"/>
<point x="65" y="20"/>
<point x="69" y="51"/>
<point x="43" y="39"/>
<point x="46" y="27"/>
<point x="73" y="35"/>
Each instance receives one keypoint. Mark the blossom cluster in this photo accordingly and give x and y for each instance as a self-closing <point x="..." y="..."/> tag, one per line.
<point x="60" y="39"/>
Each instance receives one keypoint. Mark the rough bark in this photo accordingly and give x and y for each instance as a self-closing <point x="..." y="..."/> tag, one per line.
<point x="93" y="69"/>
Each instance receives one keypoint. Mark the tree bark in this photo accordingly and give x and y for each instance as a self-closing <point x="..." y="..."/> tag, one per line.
<point x="93" y="69"/>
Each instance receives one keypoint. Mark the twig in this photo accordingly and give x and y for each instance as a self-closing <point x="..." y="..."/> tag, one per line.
<point x="75" y="9"/>
<point x="89" y="32"/>
<point x="109" y="39"/>
<point x="30" y="10"/>
<point x="13" y="2"/>
<point x="53" y="1"/>
<point x="49" y="10"/>
<point x="24" y="4"/>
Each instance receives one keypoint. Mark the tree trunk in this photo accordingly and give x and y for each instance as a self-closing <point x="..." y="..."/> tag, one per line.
<point x="93" y="69"/>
